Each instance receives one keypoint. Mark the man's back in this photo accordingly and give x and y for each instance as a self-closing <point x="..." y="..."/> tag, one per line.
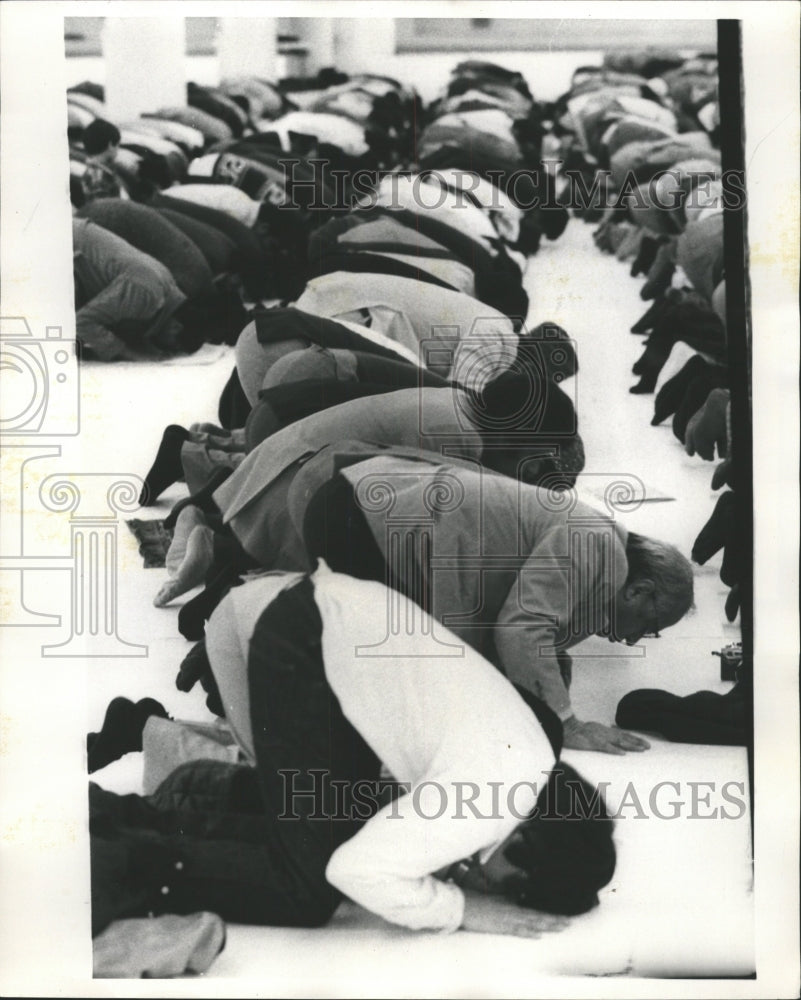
<point x="512" y="569"/>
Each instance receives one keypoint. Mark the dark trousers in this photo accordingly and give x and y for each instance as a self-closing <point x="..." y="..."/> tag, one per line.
<point x="334" y="529"/>
<point x="249" y="845"/>
<point x="179" y="851"/>
<point x="310" y="758"/>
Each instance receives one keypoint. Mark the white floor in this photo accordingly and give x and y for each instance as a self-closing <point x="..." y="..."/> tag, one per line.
<point x="680" y="902"/>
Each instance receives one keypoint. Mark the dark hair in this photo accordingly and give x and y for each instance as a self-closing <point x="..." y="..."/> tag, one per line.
<point x="529" y="410"/>
<point x="99" y="135"/>
<point x="528" y="396"/>
<point x="567" y="850"/>
<point x="524" y="401"/>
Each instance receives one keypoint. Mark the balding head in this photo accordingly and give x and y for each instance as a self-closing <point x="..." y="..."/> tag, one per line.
<point x="670" y="572"/>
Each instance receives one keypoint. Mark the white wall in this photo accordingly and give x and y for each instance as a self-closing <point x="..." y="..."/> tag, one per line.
<point x="547" y="72"/>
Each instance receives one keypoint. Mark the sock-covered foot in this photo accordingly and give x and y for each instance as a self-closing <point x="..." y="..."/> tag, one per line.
<point x="669" y="397"/>
<point x="145" y="708"/>
<point x="700" y="718"/>
<point x="660" y="272"/>
<point x="645" y="257"/>
<point x="723" y="475"/>
<point x="720" y="530"/>
<point x="646" y="384"/>
<point x="121" y="732"/>
<point x="166" y="469"/>
<point x="194" y="614"/>
<point x="188" y="520"/>
<point x="652" y="360"/>
<point x="192" y="571"/>
<point x="695" y="396"/>
<point x="706" y="429"/>
<point x="196" y="667"/>
<point x="202" y="498"/>
<point x="193" y="666"/>
<point x="732" y="606"/>
<point x="650" y="317"/>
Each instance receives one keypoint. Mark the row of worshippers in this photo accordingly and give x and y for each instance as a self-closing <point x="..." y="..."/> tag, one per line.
<point x="235" y="221"/>
<point x="177" y="223"/>
<point x="395" y="567"/>
<point x="654" y="141"/>
<point x="366" y="116"/>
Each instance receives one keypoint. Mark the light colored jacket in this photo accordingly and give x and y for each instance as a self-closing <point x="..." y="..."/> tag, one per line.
<point x="253" y="498"/>
<point x="515" y="571"/>
<point x="477" y="341"/>
<point x="124" y="288"/>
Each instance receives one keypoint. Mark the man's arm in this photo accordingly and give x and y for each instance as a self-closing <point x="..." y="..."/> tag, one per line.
<point x="94" y="323"/>
<point x="387" y="865"/>
<point x="96" y="336"/>
<point x="532" y="620"/>
<point x="485" y="914"/>
<point x="424" y="902"/>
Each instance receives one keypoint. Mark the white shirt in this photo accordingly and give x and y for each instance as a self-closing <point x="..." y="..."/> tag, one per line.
<point x="328" y="128"/>
<point x="503" y="212"/>
<point x="441" y="719"/>
<point x="223" y="197"/>
<point x="490" y="120"/>
<point x="176" y="132"/>
<point x="203" y="166"/>
<point x="478" y="342"/>
<point x="428" y="198"/>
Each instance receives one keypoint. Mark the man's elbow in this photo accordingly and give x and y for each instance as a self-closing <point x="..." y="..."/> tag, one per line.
<point x="353" y="877"/>
<point x="340" y="871"/>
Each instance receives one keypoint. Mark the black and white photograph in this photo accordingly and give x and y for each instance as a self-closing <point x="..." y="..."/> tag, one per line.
<point x="399" y="439"/>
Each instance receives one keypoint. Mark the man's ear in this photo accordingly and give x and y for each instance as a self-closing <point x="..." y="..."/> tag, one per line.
<point x="642" y="587"/>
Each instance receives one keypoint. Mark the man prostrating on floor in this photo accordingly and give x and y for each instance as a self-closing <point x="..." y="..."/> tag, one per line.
<point x="513" y="570"/>
<point x="307" y="692"/>
<point x="490" y="833"/>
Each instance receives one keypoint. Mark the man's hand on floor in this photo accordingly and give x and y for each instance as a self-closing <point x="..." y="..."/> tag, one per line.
<point x="595" y="736"/>
<point x="485" y="914"/>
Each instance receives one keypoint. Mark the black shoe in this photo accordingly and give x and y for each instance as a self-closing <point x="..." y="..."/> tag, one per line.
<point x="121" y="732"/>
